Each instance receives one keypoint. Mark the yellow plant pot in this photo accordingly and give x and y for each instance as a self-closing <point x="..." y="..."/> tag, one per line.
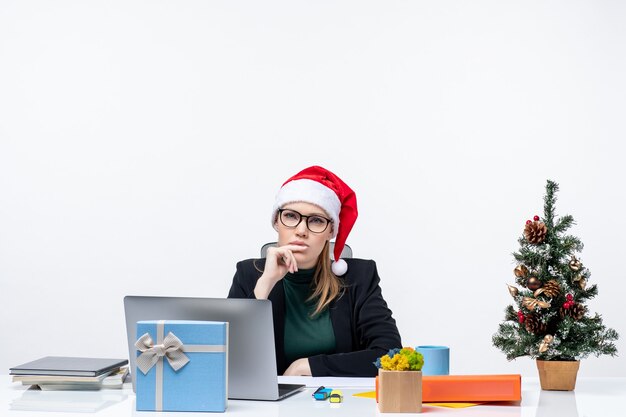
<point x="558" y="375"/>
<point x="399" y="391"/>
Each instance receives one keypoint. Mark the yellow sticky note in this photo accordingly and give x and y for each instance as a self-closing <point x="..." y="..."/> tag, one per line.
<point x="372" y="394"/>
<point x="368" y="394"/>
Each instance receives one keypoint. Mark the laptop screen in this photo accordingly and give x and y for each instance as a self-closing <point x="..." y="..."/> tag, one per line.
<point x="251" y="354"/>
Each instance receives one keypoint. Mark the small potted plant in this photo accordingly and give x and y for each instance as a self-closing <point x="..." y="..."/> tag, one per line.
<point x="399" y="381"/>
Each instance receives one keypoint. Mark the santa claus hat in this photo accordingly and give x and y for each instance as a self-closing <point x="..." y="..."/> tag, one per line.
<point x="319" y="186"/>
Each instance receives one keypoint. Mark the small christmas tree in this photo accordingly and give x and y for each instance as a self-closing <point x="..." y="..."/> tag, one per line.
<point x="549" y="319"/>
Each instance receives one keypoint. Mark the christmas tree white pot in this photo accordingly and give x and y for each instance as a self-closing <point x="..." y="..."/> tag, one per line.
<point x="549" y="320"/>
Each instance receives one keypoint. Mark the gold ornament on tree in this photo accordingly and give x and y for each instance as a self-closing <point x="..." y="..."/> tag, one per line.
<point x="535" y="232"/>
<point x="520" y="271"/>
<point x="580" y="281"/>
<point x="532" y="303"/>
<point x="512" y="290"/>
<point x="545" y="343"/>
<point x="575" y="264"/>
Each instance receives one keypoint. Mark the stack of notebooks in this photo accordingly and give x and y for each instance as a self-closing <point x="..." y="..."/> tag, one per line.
<point x="68" y="373"/>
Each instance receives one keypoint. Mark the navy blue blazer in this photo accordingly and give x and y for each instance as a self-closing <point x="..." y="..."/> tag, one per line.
<point x="363" y="324"/>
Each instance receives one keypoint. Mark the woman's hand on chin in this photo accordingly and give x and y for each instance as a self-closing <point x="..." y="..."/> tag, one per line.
<point x="278" y="261"/>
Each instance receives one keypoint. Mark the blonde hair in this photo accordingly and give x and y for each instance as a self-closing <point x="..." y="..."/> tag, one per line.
<point x="327" y="285"/>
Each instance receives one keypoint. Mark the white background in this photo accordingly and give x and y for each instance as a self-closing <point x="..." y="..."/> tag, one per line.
<point x="142" y="144"/>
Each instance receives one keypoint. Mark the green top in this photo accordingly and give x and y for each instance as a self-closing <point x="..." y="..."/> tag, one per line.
<point x="305" y="336"/>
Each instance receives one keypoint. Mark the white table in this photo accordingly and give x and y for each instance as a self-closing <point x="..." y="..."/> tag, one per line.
<point x="601" y="397"/>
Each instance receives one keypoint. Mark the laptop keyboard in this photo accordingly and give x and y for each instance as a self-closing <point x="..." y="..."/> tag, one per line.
<point x="288" y="389"/>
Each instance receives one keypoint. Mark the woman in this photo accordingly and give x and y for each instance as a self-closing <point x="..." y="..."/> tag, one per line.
<point x="329" y="320"/>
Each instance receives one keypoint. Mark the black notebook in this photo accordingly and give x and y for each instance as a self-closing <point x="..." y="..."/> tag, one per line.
<point x="69" y="366"/>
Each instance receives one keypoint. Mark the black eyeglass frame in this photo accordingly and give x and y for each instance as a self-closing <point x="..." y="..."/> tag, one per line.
<point x="302" y="216"/>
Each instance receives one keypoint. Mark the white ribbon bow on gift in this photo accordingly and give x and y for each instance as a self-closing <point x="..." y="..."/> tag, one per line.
<point x="172" y="349"/>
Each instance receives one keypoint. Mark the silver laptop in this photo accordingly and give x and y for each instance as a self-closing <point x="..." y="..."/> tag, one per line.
<point x="251" y="353"/>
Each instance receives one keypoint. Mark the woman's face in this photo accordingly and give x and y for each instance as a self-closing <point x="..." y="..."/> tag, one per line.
<point x="313" y="243"/>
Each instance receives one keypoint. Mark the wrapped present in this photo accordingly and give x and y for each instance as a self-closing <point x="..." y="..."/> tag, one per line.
<point x="472" y="388"/>
<point x="468" y="388"/>
<point x="182" y="365"/>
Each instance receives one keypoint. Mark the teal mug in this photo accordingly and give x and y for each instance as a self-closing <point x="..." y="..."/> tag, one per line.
<point x="436" y="359"/>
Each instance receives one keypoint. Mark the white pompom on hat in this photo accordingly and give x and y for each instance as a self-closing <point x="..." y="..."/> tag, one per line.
<point x="319" y="186"/>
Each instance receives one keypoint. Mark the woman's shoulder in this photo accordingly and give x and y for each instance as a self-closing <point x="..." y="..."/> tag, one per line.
<point x="360" y="270"/>
<point x="247" y="274"/>
<point x="251" y="267"/>
<point x="360" y="263"/>
<point x="361" y="280"/>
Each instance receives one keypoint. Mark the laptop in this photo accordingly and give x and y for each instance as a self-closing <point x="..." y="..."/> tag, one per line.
<point x="252" y="371"/>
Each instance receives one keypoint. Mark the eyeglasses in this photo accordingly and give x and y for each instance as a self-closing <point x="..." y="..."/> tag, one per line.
<point x="315" y="223"/>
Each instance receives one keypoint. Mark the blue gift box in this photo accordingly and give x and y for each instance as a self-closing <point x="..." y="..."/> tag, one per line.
<point x="182" y="365"/>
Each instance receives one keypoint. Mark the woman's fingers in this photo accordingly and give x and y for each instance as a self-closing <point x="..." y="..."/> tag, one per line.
<point x="284" y="255"/>
<point x="286" y="258"/>
<point x="290" y="261"/>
